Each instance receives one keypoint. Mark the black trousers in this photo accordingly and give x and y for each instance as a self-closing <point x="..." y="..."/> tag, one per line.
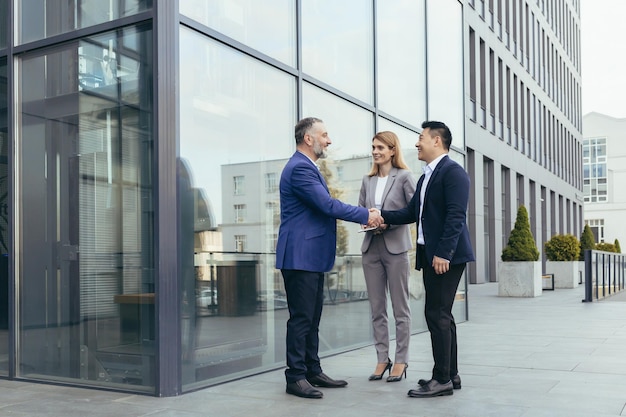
<point x="305" y="298"/>
<point x="440" y="294"/>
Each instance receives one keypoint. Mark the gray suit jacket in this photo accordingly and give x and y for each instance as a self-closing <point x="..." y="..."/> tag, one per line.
<point x="397" y="195"/>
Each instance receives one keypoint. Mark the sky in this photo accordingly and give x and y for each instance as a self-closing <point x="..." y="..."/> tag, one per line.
<point x="603" y="56"/>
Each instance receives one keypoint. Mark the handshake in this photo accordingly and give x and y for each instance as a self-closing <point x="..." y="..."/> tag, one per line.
<point x="375" y="219"/>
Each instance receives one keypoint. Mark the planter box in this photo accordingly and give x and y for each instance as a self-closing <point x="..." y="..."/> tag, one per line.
<point x="519" y="279"/>
<point x="565" y="273"/>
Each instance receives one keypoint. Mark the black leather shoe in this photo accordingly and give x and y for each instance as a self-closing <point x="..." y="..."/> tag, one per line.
<point x="323" y="380"/>
<point x="432" y="388"/>
<point x="456" y="382"/>
<point x="302" y="388"/>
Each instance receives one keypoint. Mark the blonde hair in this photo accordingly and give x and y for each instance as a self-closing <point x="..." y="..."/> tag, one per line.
<point x="391" y="140"/>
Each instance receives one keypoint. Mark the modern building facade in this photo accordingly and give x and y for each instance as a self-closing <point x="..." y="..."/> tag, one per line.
<point x="142" y="143"/>
<point x="604" y="159"/>
<point x="523" y="122"/>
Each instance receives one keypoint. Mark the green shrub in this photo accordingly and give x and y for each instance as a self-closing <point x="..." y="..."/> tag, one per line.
<point x="521" y="245"/>
<point x="617" y="247"/>
<point x="587" y="241"/>
<point x="606" y="247"/>
<point x="562" y="248"/>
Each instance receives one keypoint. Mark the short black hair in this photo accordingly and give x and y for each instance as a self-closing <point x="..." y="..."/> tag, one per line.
<point x="440" y="129"/>
<point x="303" y="126"/>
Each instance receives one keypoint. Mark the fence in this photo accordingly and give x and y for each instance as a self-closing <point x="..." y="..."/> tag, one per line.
<point x="604" y="274"/>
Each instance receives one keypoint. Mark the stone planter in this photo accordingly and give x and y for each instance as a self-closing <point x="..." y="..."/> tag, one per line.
<point x="565" y="273"/>
<point x="519" y="279"/>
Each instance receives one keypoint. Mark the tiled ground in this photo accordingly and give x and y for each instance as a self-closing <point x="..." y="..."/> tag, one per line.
<point x="548" y="356"/>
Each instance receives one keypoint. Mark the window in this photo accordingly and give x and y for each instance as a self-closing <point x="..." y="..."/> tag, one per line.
<point x="272" y="238"/>
<point x="240" y="213"/>
<point x="271" y="183"/>
<point x="239" y="185"/>
<point x="240" y="243"/>
<point x="594" y="170"/>
<point x="597" y="228"/>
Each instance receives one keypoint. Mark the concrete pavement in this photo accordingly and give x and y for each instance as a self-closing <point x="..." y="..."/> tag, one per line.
<point x="519" y="357"/>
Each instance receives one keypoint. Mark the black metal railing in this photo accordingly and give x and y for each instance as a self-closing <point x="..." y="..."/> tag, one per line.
<point x="604" y="274"/>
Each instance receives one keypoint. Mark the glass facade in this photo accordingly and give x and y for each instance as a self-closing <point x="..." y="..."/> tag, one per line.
<point x="45" y="18"/>
<point x="85" y="272"/>
<point x="85" y="198"/>
<point x="237" y="112"/>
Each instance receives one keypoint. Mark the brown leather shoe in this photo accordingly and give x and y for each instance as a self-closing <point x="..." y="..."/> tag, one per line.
<point x="302" y="388"/>
<point x="324" y="381"/>
<point x="432" y="388"/>
<point x="456" y="381"/>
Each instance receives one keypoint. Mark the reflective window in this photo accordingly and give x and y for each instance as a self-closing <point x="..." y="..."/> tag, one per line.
<point x="4" y="220"/>
<point x="401" y="59"/>
<point x="85" y="275"/>
<point x="43" y="18"/>
<point x="445" y="69"/>
<point x="350" y="127"/>
<point x="236" y="126"/>
<point x="268" y="26"/>
<point x="4" y="26"/>
<point x="337" y="45"/>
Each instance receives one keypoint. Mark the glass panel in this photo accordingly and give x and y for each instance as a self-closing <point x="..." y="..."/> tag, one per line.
<point x="402" y="59"/>
<point x="350" y="127"/>
<point x="236" y="126"/>
<point x="337" y="45"/>
<point x="43" y="18"/>
<point x="4" y="217"/>
<point x="4" y="23"/>
<point x="268" y="26"/>
<point x="445" y="69"/>
<point x="85" y="275"/>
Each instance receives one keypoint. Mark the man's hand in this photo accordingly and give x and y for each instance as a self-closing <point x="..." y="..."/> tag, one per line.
<point x="375" y="219"/>
<point x="440" y="265"/>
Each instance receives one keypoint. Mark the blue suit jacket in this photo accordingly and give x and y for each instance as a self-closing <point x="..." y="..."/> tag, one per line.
<point x="444" y="219"/>
<point x="307" y="238"/>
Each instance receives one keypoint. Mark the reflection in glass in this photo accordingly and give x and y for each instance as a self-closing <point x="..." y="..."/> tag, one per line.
<point x="401" y="59"/>
<point x="4" y="220"/>
<point x="44" y="18"/>
<point x="445" y="70"/>
<point x="350" y="127"/>
<point x="4" y="26"/>
<point x="85" y="274"/>
<point x="268" y="26"/>
<point x="236" y="133"/>
<point x="337" y="45"/>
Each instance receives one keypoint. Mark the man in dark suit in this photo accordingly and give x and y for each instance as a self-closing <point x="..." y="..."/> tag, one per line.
<point x="439" y="206"/>
<point x="305" y="250"/>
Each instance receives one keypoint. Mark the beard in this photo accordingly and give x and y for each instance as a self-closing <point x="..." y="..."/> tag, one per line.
<point x="319" y="150"/>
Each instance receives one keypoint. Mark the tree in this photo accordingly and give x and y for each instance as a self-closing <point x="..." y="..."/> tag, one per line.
<point x="337" y="193"/>
<point x="617" y="248"/>
<point x="587" y="241"/>
<point x="562" y="248"/>
<point x="521" y="245"/>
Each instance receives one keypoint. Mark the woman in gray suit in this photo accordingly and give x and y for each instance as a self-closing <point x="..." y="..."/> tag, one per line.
<point x="389" y="185"/>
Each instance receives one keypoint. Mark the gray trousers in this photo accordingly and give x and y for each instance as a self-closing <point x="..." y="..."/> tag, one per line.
<point x="386" y="271"/>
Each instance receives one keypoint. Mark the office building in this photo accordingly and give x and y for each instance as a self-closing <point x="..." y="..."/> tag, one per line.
<point x="142" y="143"/>
<point x="604" y="152"/>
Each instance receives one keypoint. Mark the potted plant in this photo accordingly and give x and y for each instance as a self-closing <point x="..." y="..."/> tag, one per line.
<point x="519" y="273"/>
<point x="562" y="252"/>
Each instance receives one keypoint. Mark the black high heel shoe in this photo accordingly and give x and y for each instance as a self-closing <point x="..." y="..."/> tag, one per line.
<point x="397" y="378"/>
<point x="377" y="377"/>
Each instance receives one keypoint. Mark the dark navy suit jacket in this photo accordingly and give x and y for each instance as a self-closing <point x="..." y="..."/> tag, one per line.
<point x="444" y="217"/>
<point x="307" y="238"/>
